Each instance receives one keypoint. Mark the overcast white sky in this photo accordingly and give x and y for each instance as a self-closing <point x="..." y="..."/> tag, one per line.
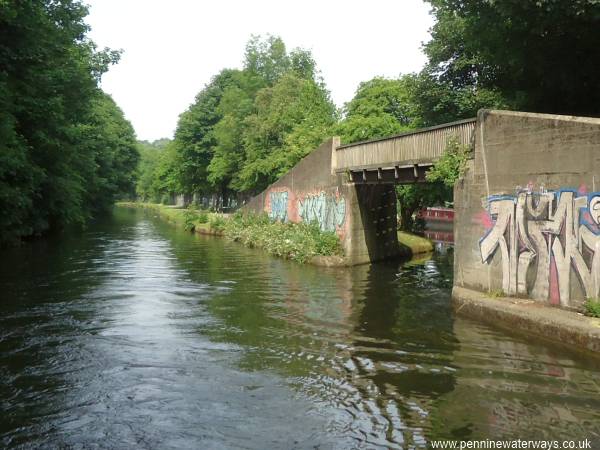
<point x="173" y="47"/>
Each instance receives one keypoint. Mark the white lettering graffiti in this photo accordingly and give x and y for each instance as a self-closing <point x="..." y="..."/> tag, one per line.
<point x="542" y="237"/>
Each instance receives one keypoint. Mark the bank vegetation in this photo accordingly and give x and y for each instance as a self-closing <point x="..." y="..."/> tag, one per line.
<point x="298" y="242"/>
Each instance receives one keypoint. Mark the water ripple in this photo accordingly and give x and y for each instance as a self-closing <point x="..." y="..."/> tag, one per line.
<point x="137" y="335"/>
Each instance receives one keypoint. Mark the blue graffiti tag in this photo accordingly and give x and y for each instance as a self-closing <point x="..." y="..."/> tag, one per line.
<point x="326" y="210"/>
<point x="279" y="204"/>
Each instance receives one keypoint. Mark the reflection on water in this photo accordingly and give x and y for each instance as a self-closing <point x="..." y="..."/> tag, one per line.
<point x="135" y="335"/>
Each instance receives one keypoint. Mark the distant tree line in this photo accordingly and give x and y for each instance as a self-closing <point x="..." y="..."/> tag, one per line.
<point x="66" y="151"/>
<point x="247" y="127"/>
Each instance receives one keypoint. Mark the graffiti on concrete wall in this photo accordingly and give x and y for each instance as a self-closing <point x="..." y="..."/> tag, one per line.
<point x="278" y="205"/>
<point x="548" y="242"/>
<point x="328" y="210"/>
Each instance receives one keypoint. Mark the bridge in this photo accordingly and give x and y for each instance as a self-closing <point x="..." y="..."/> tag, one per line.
<point x="350" y="188"/>
<point x="400" y="159"/>
<point x="527" y="210"/>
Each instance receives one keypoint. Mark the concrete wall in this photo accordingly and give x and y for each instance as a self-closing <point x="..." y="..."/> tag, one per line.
<point x="528" y="208"/>
<point x="364" y="217"/>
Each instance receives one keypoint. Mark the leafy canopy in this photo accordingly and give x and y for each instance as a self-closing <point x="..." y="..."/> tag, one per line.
<point x="381" y="107"/>
<point x="530" y="55"/>
<point x="66" y="151"/>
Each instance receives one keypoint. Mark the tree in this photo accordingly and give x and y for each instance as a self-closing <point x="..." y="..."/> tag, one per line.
<point x="208" y="137"/>
<point x="537" y="56"/>
<point x="438" y="101"/>
<point x="49" y="103"/>
<point x="146" y="171"/>
<point x="166" y="181"/>
<point x="236" y="104"/>
<point x="266" y="59"/>
<point x="381" y="107"/>
<point x="290" y="120"/>
<point x="194" y="140"/>
<point x="108" y="141"/>
<point x="247" y="127"/>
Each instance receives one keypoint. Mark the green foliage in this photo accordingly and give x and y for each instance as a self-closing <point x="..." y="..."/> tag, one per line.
<point x="150" y="153"/>
<point x="290" y="119"/>
<point x="193" y="217"/>
<point x="166" y="181"/>
<point x="266" y="59"/>
<point x="438" y="101"/>
<point x="534" y="56"/>
<point x="592" y="307"/>
<point x="384" y="96"/>
<point x="452" y="165"/>
<point x="495" y="293"/>
<point x="190" y="217"/>
<point x="66" y="151"/>
<point x="296" y="241"/>
<point x="439" y="188"/>
<point x="109" y="138"/>
<point x="326" y="243"/>
<point x="202" y="217"/>
<point x="217" y="223"/>
<point x="413" y="197"/>
<point x="380" y="108"/>
<point x="246" y="128"/>
<point x="195" y="139"/>
<point x="236" y="104"/>
<point x="165" y="199"/>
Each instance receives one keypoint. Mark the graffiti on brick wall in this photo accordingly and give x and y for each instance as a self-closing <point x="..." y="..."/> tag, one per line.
<point x="547" y="241"/>
<point x="278" y="205"/>
<point x="328" y="210"/>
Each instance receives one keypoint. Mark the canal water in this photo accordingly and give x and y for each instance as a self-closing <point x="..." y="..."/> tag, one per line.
<point x="133" y="334"/>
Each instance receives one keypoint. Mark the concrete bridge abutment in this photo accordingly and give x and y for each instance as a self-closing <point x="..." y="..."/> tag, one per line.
<point x="363" y="216"/>
<point x="527" y="211"/>
<point x="373" y="235"/>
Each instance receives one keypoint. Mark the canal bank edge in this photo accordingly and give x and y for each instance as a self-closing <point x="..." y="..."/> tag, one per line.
<point x="410" y="244"/>
<point x="527" y="316"/>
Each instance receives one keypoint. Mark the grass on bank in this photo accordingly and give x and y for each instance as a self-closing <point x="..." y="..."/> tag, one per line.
<point x="495" y="293"/>
<point x="592" y="307"/>
<point x="415" y="245"/>
<point x="296" y="241"/>
<point x="186" y="218"/>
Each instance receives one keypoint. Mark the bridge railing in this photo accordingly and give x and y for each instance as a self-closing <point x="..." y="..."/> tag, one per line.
<point x="422" y="147"/>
